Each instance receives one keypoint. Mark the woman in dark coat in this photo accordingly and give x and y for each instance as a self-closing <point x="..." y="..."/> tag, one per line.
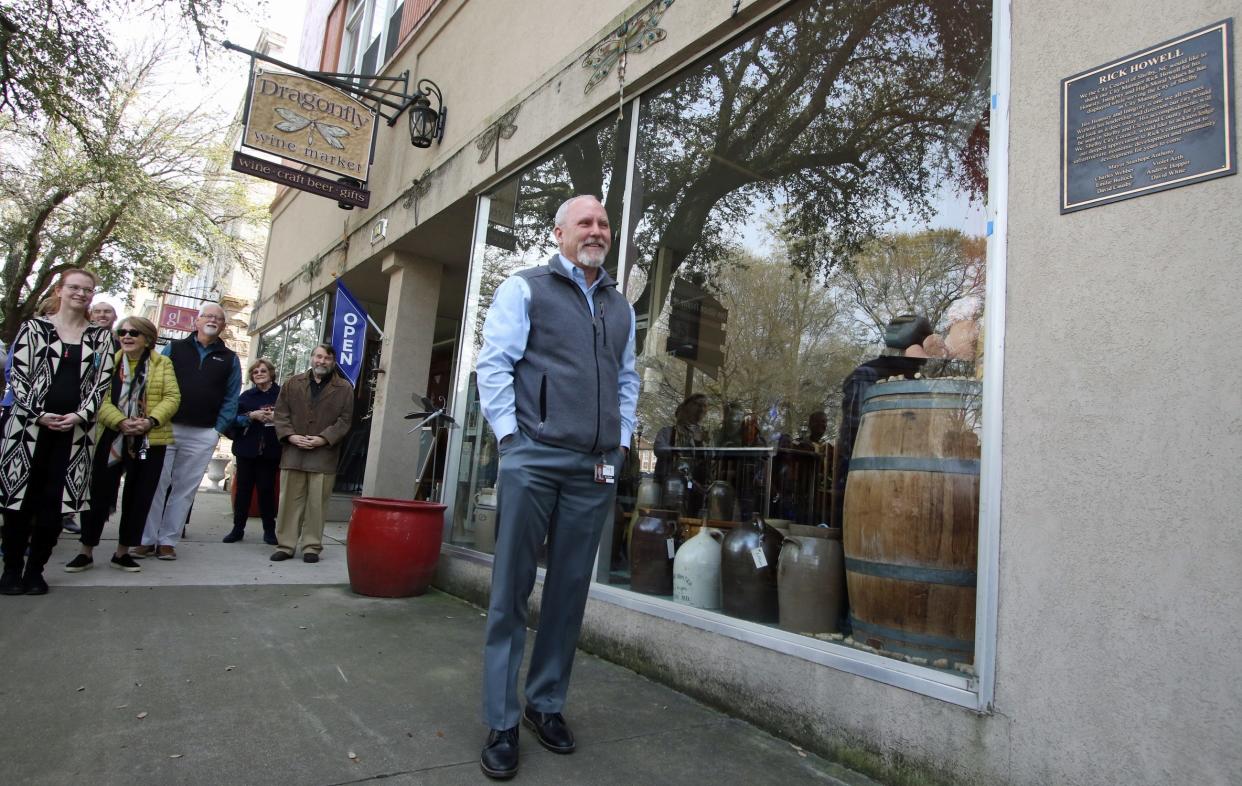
<point x="62" y="366"/>
<point x="258" y="452"/>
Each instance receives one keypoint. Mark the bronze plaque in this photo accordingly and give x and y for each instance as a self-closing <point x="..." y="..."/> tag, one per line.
<point x="307" y="121"/>
<point x="1157" y="119"/>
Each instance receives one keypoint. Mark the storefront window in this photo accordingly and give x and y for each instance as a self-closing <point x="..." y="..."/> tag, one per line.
<point x="519" y="219"/>
<point x="290" y="343"/>
<point x="806" y="255"/>
<point x="807" y="270"/>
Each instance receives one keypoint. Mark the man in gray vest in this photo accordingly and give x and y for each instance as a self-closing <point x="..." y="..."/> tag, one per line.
<point x="557" y="385"/>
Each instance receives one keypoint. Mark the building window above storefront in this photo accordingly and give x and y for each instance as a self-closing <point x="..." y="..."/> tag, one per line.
<point x="372" y="32"/>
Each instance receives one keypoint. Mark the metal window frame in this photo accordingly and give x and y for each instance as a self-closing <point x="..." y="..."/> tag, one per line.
<point x="976" y="693"/>
<point x="464" y="364"/>
<point x="365" y="13"/>
<point x="354" y="34"/>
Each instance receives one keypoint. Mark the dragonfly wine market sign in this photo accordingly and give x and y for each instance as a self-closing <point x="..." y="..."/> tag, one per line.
<point x="307" y="121"/>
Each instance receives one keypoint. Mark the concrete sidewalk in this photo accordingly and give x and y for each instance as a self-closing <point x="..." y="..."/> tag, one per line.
<point x="202" y="559"/>
<point x="224" y="668"/>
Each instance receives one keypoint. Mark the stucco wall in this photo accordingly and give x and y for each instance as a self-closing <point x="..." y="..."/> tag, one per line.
<point x="1121" y="591"/>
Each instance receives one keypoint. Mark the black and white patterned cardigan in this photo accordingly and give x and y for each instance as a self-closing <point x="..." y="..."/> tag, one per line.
<point x="37" y="353"/>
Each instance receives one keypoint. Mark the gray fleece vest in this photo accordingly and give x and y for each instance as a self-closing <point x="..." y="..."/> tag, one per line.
<point x="567" y="383"/>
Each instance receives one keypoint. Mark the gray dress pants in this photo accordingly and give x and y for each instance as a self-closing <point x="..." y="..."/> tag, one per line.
<point x="541" y="490"/>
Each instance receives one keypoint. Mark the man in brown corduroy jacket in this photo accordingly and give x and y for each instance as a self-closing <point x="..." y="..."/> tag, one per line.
<point x="313" y="414"/>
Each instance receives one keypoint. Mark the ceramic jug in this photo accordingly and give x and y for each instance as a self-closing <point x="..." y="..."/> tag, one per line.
<point x="652" y="551"/>
<point x="648" y="494"/>
<point x="811" y="580"/>
<point x="485" y="520"/>
<point x="696" y="570"/>
<point x="748" y="571"/>
<point x="674" y="494"/>
<point x="721" y="501"/>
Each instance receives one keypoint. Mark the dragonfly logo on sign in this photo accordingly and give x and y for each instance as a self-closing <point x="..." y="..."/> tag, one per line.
<point x="304" y="120"/>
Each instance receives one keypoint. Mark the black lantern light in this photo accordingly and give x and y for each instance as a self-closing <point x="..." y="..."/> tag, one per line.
<point x="426" y="123"/>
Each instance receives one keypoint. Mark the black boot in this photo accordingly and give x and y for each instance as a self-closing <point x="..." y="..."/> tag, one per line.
<point x="269" y="535"/>
<point x="11" y="582"/>
<point x="234" y="535"/>
<point x="33" y="583"/>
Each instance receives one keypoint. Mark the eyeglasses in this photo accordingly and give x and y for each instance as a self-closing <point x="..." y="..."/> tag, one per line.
<point x="79" y="290"/>
<point x="123" y="332"/>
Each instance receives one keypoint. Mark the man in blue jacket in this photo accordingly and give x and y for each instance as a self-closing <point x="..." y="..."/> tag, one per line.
<point x="209" y="375"/>
<point x="557" y="384"/>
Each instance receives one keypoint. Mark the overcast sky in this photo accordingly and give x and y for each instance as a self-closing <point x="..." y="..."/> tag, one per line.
<point x="220" y="80"/>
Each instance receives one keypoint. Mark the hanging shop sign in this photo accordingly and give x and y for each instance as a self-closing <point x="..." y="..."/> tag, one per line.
<point x="1158" y="119"/>
<point x="347" y="193"/>
<point x="178" y="318"/>
<point x="307" y="121"/>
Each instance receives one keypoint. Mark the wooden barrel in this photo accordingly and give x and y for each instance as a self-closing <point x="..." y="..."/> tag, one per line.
<point x="911" y="524"/>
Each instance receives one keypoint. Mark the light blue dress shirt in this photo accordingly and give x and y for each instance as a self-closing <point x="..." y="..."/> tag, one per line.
<point x="504" y="343"/>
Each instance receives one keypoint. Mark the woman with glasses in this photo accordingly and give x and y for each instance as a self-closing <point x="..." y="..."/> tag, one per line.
<point x="62" y="365"/>
<point x="257" y="451"/>
<point x="137" y="430"/>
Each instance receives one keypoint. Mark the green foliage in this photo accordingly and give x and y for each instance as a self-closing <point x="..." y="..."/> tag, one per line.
<point x="134" y="192"/>
<point x="56" y="58"/>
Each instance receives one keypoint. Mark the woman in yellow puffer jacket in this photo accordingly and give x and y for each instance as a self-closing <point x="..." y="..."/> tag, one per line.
<point x="137" y="421"/>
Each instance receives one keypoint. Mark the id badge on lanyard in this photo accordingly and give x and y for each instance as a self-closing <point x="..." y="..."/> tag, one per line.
<point x="605" y="472"/>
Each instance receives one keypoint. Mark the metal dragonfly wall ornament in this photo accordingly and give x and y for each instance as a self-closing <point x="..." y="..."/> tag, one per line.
<point x="296" y="122"/>
<point x="637" y="34"/>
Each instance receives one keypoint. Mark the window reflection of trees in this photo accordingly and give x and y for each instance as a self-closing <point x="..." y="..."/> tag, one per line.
<point x="929" y="273"/>
<point x="271" y="343"/>
<point x="290" y="344"/>
<point x="844" y="115"/>
<point x="523" y="209"/>
<point x="816" y="137"/>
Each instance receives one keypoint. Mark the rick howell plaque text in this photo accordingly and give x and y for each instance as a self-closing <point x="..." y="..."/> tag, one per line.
<point x="1158" y="119"/>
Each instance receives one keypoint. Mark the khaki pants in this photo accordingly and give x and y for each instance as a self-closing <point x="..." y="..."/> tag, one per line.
<point x="303" y="503"/>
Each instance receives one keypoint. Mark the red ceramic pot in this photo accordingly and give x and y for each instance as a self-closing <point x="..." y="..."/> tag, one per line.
<point x="392" y="546"/>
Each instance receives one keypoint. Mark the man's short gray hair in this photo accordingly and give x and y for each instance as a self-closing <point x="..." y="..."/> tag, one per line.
<point x="564" y="208"/>
<point x="212" y="304"/>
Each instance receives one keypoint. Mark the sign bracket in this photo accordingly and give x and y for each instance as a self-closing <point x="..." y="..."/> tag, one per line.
<point x="351" y="83"/>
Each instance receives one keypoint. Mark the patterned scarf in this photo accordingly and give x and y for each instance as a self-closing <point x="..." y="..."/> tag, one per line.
<point x="131" y="400"/>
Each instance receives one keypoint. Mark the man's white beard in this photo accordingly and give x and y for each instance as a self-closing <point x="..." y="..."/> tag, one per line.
<point x="587" y="257"/>
<point x="320" y="372"/>
<point x="210" y="330"/>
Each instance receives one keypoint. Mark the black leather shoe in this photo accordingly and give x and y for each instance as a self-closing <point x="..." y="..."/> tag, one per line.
<point x="269" y="539"/>
<point x="234" y="535"/>
<point x="280" y="556"/>
<point x="551" y="729"/>
<point x="499" y="758"/>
